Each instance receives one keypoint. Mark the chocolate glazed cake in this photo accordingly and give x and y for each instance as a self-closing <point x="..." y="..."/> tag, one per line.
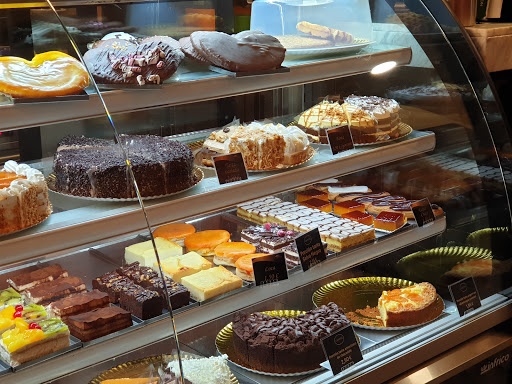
<point x="116" y="61"/>
<point x="96" y="168"/>
<point x="285" y="345"/>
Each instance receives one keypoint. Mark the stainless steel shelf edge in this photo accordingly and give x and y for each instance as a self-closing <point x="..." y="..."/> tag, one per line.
<point x="211" y="86"/>
<point x="153" y="332"/>
<point x="129" y="219"/>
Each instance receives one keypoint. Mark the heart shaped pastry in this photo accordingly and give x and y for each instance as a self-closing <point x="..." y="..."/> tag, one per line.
<point x="48" y="74"/>
<point x="117" y="61"/>
<point x="246" y="51"/>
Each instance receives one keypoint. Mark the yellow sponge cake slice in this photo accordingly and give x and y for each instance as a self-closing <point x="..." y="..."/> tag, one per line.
<point x="145" y="254"/>
<point x="211" y="282"/>
<point x="178" y="267"/>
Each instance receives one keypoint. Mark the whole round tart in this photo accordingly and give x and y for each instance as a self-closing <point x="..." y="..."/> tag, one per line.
<point x="96" y="168"/>
<point x="23" y="197"/>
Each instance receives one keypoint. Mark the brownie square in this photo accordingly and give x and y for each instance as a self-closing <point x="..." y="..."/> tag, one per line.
<point x="141" y="302"/>
<point x="137" y="273"/>
<point x="179" y="295"/>
<point x="100" y="283"/>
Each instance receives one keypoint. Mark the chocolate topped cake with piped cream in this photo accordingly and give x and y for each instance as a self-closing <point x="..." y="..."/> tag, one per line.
<point x="96" y="168"/>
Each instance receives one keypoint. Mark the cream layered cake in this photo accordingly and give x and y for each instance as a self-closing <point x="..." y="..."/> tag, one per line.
<point x="23" y="197"/>
<point x="384" y="113"/>
<point x="263" y="146"/>
<point x="371" y="118"/>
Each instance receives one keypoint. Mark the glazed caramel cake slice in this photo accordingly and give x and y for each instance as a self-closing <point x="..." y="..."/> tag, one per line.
<point x="408" y="306"/>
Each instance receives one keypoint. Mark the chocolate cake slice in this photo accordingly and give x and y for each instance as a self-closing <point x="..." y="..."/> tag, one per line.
<point x="30" y="279"/>
<point x="99" y="322"/>
<point x="137" y="273"/>
<point x="112" y="283"/>
<point x="179" y="295"/>
<point x="79" y="303"/>
<point x="141" y="302"/>
<point x="45" y="293"/>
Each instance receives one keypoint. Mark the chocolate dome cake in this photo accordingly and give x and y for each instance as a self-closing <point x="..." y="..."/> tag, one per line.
<point x="96" y="167"/>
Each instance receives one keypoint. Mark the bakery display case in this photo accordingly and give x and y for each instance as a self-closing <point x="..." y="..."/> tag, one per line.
<point x="220" y="188"/>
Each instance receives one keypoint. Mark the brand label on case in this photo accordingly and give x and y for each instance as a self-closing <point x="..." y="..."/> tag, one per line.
<point x="230" y="168"/>
<point x="423" y="213"/>
<point x="341" y="349"/>
<point x="270" y="269"/>
<point x="465" y="294"/>
<point x="310" y="249"/>
<point x="340" y="139"/>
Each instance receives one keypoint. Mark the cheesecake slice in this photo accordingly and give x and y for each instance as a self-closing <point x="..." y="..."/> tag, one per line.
<point x="185" y="265"/>
<point x="211" y="282"/>
<point x="408" y="306"/>
<point x="145" y="254"/>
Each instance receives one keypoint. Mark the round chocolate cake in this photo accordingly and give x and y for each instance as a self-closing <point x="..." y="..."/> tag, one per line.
<point x="285" y="344"/>
<point x="96" y="167"/>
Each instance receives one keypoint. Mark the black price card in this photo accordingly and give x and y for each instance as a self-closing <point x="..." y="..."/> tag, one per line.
<point x="270" y="269"/>
<point x="230" y="168"/>
<point x="340" y="139"/>
<point x="341" y="349"/>
<point x="465" y="295"/>
<point x="310" y="248"/>
<point x="423" y="213"/>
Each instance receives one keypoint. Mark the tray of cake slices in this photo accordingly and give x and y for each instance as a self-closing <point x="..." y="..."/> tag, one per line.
<point x="30" y="332"/>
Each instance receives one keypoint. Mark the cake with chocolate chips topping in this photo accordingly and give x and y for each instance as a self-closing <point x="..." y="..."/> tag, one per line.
<point x="285" y="344"/>
<point x="96" y="168"/>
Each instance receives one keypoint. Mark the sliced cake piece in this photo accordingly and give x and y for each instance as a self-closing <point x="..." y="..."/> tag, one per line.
<point x="145" y="254"/>
<point x="211" y="282"/>
<point x="28" y="342"/>
<point x="79" y="303"/>
<point x="408" y="306"/>
<point x="54" y="290"/>
<point x="9" y="297"/>
<point x="99" y="322"/>
<point x="185" y="265"/>
<point x="141" y="302"/>
<point x="32" y="278"/>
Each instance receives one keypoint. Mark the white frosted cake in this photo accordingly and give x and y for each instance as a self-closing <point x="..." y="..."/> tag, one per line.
<point x="23" y="197"/>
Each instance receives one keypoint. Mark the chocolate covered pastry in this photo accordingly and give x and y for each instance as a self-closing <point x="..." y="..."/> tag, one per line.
<point x="246" y="51"/>
<point x="117" y="61"/>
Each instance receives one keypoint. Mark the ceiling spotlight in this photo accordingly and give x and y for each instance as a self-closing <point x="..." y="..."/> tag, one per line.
<point x="383" y="67"/>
